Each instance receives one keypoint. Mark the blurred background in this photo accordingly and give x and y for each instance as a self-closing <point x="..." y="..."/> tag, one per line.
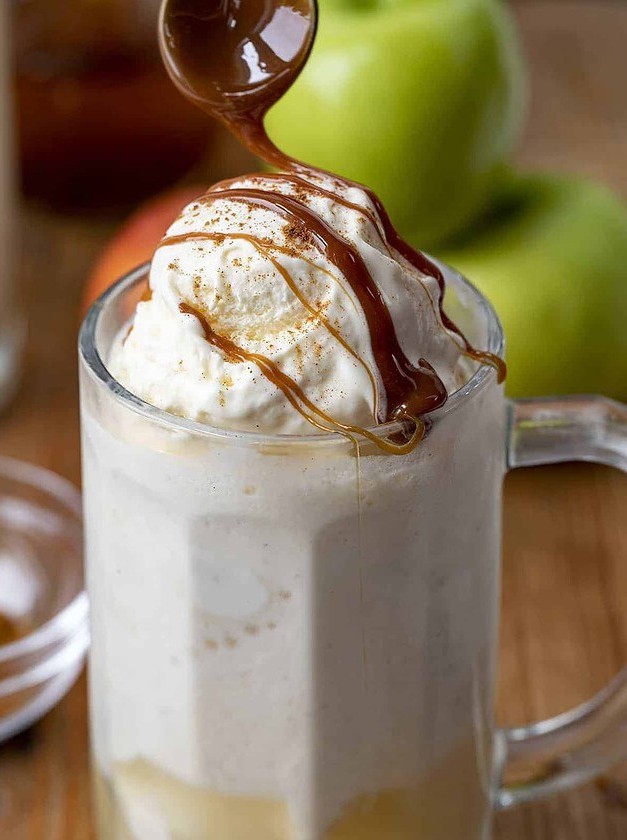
<point x="495" y="132"/>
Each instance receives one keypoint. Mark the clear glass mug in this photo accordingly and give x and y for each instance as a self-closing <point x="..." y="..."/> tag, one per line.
<point x="293" y="640"/>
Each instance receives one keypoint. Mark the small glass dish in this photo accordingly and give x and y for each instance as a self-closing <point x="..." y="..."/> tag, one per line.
<point x="44" y="631"/>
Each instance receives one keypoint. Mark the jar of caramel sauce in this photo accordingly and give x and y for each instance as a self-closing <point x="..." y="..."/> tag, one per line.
<point x="98" y="121"/>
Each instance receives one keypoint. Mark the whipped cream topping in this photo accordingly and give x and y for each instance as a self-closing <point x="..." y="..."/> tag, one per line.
<point x="262" y="283"/>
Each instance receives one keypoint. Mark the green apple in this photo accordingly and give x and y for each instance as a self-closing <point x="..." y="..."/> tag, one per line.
<point x="419" y="99"/>
<point x="554" y="264"/>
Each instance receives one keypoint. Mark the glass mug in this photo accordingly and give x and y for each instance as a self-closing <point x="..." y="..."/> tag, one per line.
<point x="294" y="638"/>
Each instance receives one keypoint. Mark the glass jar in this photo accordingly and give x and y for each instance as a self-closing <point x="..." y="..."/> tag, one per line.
<point x="99" y="121"/>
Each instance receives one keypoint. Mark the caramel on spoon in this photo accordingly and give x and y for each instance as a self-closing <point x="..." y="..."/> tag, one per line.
<point x="236" y="58"/>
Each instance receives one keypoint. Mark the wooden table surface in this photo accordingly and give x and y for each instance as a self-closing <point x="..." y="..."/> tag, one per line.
<point x="565" y="579"/>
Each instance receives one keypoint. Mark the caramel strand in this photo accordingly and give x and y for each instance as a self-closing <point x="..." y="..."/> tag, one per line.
<point x="294" y="393"/>
<point x="264" y="249"/>
<point x="206" y="48"/>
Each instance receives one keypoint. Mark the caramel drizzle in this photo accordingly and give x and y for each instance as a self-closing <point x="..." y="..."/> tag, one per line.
<point x="294" y="394"/>
<point x="423" y="264"/>
<point x="263" y="248"/>
<point x="204" y="46"/>
<point x="390" y="238"/>
<point x="302" y="183"/>
<point x="314" y="189"/>
<point x="410" y="391"/>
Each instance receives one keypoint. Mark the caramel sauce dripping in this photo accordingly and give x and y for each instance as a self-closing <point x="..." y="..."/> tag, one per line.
<point x="293" y="392"/>
<point x="426" y="266"/>
<point x="235" y="60"/>
<point x="411" y="391"/>
<point x="391" y="239"/>
<point x="308" y="187"/>
<point x="265" y="248"/>
<point x="313" y="189"/>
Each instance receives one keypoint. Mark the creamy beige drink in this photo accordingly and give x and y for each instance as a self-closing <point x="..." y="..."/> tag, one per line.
<point x="290" y="643"/>
<point x="292" y="497"/>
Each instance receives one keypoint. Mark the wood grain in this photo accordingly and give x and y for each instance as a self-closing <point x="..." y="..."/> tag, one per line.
<point x="564" y="630"/>
<point x="44" y="784"/>
<point x="564" y="581"/>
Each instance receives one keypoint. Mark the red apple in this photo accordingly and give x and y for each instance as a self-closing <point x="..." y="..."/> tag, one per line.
<point x="137" y="239"/>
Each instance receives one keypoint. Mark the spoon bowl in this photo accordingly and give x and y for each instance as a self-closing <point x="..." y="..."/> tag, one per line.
<point x="236" y="58"/>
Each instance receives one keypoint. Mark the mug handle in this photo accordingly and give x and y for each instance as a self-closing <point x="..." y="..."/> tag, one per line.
<point x="574" y="747"/>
